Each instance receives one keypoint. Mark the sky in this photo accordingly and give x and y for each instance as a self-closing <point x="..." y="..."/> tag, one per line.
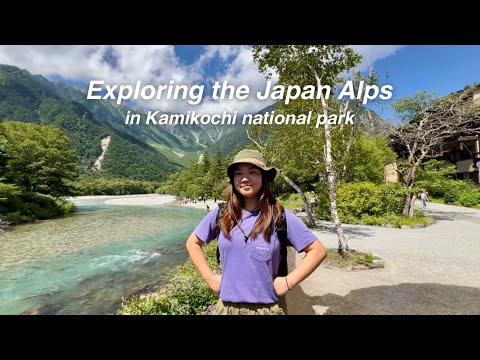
<point x="434" y="68"/>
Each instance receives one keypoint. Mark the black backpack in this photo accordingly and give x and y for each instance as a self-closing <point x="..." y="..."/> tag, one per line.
<point x="281" y="226"/>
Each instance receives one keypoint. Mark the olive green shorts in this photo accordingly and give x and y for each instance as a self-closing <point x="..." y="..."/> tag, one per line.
<point x="229" y="308"/>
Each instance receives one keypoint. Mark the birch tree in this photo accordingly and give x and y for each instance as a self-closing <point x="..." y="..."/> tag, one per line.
<point x="316" y="65"/>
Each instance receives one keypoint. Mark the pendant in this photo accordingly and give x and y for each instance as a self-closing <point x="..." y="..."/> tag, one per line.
<point x="246" y="238"/>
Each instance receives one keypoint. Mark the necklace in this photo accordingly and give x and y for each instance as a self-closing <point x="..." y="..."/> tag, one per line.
<point x="245" y="236"/>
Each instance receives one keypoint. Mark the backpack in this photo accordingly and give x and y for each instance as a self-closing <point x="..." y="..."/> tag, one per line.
<point x="281" y="226"/>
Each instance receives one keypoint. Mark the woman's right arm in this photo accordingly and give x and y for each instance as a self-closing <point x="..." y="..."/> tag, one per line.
<point x="194" y="248"/>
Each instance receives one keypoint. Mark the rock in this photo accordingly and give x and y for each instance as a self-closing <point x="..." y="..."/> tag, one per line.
<point x="377" y="263"/>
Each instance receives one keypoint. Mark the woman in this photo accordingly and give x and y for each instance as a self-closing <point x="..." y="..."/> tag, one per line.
<point x="248" y="243"/>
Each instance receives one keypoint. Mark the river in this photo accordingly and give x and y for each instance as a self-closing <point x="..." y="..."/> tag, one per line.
<point x="87" y="262"/>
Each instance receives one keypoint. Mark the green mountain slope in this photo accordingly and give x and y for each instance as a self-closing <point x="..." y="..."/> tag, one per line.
<point x="28" y="98"/>
<point x="113" y="115"/>
<point x="237" y="136"/>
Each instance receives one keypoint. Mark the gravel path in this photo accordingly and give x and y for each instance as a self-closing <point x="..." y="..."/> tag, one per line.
<point x="432" y="270"/>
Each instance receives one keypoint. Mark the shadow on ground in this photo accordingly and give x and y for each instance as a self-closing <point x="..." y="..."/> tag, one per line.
<point x="402" y="299"/>
<point x="450" y="216"/>
<point x="351" y="232"/>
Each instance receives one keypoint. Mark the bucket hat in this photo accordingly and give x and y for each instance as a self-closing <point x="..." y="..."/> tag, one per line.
<point x="253" y="157"/>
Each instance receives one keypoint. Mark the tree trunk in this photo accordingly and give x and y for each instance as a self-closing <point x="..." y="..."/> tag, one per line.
<point x="411" y="212"/>
<point x="409" y="207"/>
<point x="343" y="247"/>
<point x="408" y="181"/>
<point x="302" y="195"/>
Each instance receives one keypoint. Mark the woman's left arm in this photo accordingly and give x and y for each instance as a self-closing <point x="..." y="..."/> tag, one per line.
<point x="315" y="254"/>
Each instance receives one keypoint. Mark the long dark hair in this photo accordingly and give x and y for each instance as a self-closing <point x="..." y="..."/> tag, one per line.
<point x="270" y="210"/>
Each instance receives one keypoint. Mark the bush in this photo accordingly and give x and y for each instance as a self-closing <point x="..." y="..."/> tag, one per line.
<point x="462" y="193"/>
<point x="185" y="293"/>
<point x="468" y="198"/>
<point x="30" y="207"/>
<point x="436" y="177"/>
<point x="355" y="200"/>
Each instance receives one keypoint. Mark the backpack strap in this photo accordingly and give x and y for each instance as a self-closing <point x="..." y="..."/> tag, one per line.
<point x="221" y="206"/>
<point x="282" y="237"/>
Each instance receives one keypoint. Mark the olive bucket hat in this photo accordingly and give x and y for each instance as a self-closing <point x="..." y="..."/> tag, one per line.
<point x="253" y="157"/>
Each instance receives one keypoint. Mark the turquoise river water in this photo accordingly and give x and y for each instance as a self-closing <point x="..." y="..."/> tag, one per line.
<point x="86" y="263"/>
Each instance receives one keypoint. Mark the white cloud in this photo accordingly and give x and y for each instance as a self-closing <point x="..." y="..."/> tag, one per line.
<point x="157" y="65"/>
<point x="240" y="71"/>
<point x="372" y="53"/>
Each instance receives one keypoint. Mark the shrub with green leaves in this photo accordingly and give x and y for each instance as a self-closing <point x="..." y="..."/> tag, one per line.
<point x="370" y="204"/>
<point x="355" y="200"/>
<point x="468" y="198"/>
<point x="30" y="207"/>
<point x="185" y="292"/>
<point x="437" y="178"/>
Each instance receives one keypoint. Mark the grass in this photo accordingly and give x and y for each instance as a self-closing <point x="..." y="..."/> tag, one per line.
<point x="185" y="293"/>
<point x="392" y="220"/>
<point x="357" y="260"/>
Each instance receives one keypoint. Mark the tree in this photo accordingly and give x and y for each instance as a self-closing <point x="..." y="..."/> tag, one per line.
<point x="272" y="153"/>
<point x="316" y="65"/>
<point x="218" y="171"/>
<point x="367" y="158"/>
<point x="39" y="159"/>
<point x="6" y="190"/>
<point x="3" y="151"/>
<point x="426" y="124"/>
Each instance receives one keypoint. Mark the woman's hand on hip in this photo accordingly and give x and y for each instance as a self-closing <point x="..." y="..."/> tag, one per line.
<point x="214" y="282"/>
<point x="280" y="285"/>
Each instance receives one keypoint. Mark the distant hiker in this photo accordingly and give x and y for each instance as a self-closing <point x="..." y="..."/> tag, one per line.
<point x="208" y="208"/>
<point x="248" y="242"/>
<point x="424" y="198"/>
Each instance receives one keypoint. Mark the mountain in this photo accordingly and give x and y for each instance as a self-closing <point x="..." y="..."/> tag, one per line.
<point x="237" y="136"/>
<point x="367" y="120"/>
<point x="176" y="149"/>
<point x="101" y="138"/>
<point x="32" y="98"/>
<point x="179" y="143"/>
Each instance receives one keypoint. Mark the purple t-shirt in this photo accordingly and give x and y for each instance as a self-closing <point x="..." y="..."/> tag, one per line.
<point x="249" y="268"/>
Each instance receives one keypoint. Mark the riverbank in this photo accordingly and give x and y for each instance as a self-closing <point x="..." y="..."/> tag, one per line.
<point x="207" y="205"/>
<point x="135" y="200"/>
<point x="148" y="200"/>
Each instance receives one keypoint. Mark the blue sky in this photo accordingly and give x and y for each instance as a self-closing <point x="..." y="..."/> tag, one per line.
<point x="441" y="69"/>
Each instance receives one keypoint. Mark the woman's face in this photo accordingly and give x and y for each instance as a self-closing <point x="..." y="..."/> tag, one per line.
<point x="247" y="179"/>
